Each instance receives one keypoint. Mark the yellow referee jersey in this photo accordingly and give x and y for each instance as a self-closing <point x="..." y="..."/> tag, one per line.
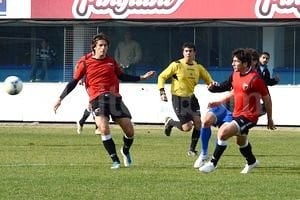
<point x="184" y="76"/>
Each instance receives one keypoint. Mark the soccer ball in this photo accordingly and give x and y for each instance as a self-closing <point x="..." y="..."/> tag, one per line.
<point x="13" y="85"/>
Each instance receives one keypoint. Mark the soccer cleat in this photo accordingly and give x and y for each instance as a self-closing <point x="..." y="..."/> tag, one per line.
<point x="200" y="161"/>
<point x="79" y="127"/>
<point x="115" y="165"/>
<point x="207" y="167"/>
<point x="192" y="153"/>
<point x="248" y="168"/>
<point x="126" y="158"/>
<point x="168" y="126"/>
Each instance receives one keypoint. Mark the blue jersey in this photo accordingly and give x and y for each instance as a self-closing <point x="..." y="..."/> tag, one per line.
<point x="222" y="115"/>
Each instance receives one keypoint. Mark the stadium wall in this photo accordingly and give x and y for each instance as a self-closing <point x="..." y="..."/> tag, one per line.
<point x="35" y="103"/>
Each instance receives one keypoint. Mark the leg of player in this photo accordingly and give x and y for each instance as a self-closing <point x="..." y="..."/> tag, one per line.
<point x="169" y="124"/>
<point x="246" y="151"/>
<point x="128" y="137"/>
<point x="107" y="140"/>
<point x="205" y="134"/>
<point x="195" y="135"/>
<point x="82" y="120"/>
<point x="226" y="131"/>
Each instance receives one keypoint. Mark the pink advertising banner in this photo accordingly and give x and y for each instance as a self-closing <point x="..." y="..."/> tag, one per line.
<point x="165" y="9"/>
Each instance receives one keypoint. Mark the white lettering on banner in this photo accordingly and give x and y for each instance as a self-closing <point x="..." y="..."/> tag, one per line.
<point x="120" y="9"/>
<point x="267" y="8"/>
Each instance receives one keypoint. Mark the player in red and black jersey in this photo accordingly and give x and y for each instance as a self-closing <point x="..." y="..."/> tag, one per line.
<point x="102" y="74"/>
<point x="247" y="90"/>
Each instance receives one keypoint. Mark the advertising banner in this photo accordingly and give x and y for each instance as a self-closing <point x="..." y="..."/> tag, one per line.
<point x="15" y="9"/>
<point x="2" y="7"/>
<point x="165" y="9"/>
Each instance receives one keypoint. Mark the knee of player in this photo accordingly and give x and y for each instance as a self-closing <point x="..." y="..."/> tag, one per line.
<point x="206" y="123"/>
<point x="187" y="126"/>
<point x="224" y="134"/>
<point x="241" y="141"/>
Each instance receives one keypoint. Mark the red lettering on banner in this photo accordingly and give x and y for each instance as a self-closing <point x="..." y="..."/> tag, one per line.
<point x="268" y="8"/>
<point x="121" y="9"/>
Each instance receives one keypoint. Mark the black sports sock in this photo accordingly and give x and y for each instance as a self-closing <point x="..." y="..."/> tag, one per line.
<point x="127" y="144"/>
<point x="247" y="153"/>
<point x="219" y="150"/>
<point x="110" y="147"/>
<point x="194" y="139"/>
<point x="84" y="117"/>
<point x="176" y="124"/>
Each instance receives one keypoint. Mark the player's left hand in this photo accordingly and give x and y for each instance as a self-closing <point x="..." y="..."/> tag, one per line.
<point x="147" y="75"/>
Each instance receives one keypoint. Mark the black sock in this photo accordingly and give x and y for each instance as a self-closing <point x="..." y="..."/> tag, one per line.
<point x="176" y="124"/>
<point x="110" y="147"/>
<point x="127" y="144"/>
<point x="194" y="139"/>
<point x="217" y="154"/>
<point x="247" y="153"/>
<point x="84" y="117"/>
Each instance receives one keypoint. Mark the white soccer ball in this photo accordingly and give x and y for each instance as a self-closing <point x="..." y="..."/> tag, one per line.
<point x="13" y="85"/>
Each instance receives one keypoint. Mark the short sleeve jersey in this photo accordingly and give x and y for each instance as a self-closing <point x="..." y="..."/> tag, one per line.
<point x="184" y="77"/>
<point x="248" y="90"/>
<point x="101" y="75"/>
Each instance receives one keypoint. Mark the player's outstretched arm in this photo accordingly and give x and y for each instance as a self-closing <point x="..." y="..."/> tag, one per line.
<point x="221" y="87"/>
<point x="131" y="78"/>
<point x="69" y="87"/>
<point x="147" y="75"/>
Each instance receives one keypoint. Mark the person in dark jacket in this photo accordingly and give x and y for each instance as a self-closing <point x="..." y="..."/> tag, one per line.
<point x="263" y="70"/>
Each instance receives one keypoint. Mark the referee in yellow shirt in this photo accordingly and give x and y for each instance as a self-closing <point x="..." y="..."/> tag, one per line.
<point x="185" y="74"/>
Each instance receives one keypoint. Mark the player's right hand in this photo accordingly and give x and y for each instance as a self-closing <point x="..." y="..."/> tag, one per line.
<point x="56" y="105"/>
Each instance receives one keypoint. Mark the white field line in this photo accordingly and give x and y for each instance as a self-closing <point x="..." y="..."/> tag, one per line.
<point x="44" y="164"/>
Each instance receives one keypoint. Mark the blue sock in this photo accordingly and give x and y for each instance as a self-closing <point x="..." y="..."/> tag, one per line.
<point x="205" y="134"/>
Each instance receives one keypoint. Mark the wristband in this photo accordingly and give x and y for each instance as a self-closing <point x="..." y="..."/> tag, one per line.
<point x="162" y="91"/>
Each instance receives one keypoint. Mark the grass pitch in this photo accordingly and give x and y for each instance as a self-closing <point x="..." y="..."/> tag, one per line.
<point x="53" y="162"/>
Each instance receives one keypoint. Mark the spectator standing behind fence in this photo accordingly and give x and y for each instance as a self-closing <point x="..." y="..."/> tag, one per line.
<point x="45" y="56"/>
<point x="128" y="53"/>
<point x="263" y="70"/>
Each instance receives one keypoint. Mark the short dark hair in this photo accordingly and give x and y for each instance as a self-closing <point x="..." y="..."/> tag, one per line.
<point x="189" y="45"/>
<point x="265" y="53"/>
<point x="243" y="55"/>
<point x="254" y="53"/>
<point x="100" y="36"/>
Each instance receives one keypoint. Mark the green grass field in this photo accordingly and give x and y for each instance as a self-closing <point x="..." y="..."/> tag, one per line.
<point x="53" y="162"/>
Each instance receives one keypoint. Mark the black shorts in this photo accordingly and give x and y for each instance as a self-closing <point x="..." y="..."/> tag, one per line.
<point x="110" y="106"/>
<point x="244" y="124"/>
<point x="186" y="107"/>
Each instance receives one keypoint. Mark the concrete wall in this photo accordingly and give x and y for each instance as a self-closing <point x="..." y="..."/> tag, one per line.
<point x="35" y="103"/>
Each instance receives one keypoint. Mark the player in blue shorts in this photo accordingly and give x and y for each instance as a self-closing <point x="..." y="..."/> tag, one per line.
<point x="215" y="116"/>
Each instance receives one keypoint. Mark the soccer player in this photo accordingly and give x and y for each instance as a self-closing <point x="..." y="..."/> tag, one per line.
<point x="248" y="89"/>
<point x="185" y="74"/>
<point x="219" y="115"/>
<point x="216" y="116"/>
<point x="102" y="74"/>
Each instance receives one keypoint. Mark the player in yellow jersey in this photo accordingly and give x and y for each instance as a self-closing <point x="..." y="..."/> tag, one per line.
<point x="185" y="74"/>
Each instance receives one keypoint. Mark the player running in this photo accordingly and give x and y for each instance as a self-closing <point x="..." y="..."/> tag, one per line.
<point x="102" y="74"/>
